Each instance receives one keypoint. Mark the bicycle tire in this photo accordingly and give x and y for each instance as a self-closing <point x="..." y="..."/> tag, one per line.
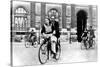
<point x="40" y="57"/>
<point x="59" y="51"/>
<point x="26" y="45"/>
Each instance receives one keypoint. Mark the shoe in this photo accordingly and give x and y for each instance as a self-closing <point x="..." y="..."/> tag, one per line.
<point x="54" y="55"/>
<point x="43" y="52"/>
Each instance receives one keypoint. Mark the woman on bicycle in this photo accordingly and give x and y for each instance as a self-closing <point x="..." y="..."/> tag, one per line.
<point x="48" y="28"/>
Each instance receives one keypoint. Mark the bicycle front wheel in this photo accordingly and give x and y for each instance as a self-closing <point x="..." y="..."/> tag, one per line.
<point x="43" y="54"/>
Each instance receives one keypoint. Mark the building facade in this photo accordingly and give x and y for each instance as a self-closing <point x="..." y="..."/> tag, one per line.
<point x="27" y="15"/>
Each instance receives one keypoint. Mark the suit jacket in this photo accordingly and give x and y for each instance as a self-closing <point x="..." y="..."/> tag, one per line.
<point x="56" y="28"/>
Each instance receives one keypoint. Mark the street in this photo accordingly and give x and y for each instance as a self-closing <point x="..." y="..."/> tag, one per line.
<point x="69" y="53"/>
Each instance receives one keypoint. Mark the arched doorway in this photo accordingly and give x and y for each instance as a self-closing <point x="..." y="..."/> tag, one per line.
<point x="81" y="23"/>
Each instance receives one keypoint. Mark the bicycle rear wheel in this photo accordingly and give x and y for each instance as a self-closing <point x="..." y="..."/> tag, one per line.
<point x="43" y="54"/>
<point x="82" y="45"/>
<point x="27" y="44"/>
<point x="58" y="51"/>
<point x="94" y="44"/>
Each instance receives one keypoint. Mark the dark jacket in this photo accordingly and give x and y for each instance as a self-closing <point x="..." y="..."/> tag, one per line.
<point x="56" y="28"/>
<point x="92" y="33"/>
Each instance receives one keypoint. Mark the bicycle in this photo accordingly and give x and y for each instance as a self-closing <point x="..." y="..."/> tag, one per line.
<point x="30" y="41"/>
<point x="91" y="42"/>
<point x="85" y="43"/>
<point x="45" y="50"/>
<point x="88" y="43"/>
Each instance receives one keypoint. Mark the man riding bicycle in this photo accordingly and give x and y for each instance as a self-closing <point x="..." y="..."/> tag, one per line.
<point x="32" y="36"/>
<point x="88" y="35"/>
<point x="91" y="35"/>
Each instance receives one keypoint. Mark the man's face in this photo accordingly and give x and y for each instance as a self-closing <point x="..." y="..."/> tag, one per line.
<point x="52" y="18"/>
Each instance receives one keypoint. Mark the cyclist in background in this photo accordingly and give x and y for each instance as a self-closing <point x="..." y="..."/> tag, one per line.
<point x="91" y="32"/>
<point x="32" y="36"/>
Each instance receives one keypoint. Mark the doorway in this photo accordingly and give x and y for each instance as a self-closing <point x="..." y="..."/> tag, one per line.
<point x="81" y="23"/>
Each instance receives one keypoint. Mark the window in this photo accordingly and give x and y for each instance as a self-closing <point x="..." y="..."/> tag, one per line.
<point x="94" y="15"/>
<point x="68" y="10"/>
<point x="68" y="16"/>
<point x="38" y="8"/>
<point x="21" y="19"/>
<point x="38" y="20"/>
<point x="37" y="15"/>
<point x="20" y="10"/>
